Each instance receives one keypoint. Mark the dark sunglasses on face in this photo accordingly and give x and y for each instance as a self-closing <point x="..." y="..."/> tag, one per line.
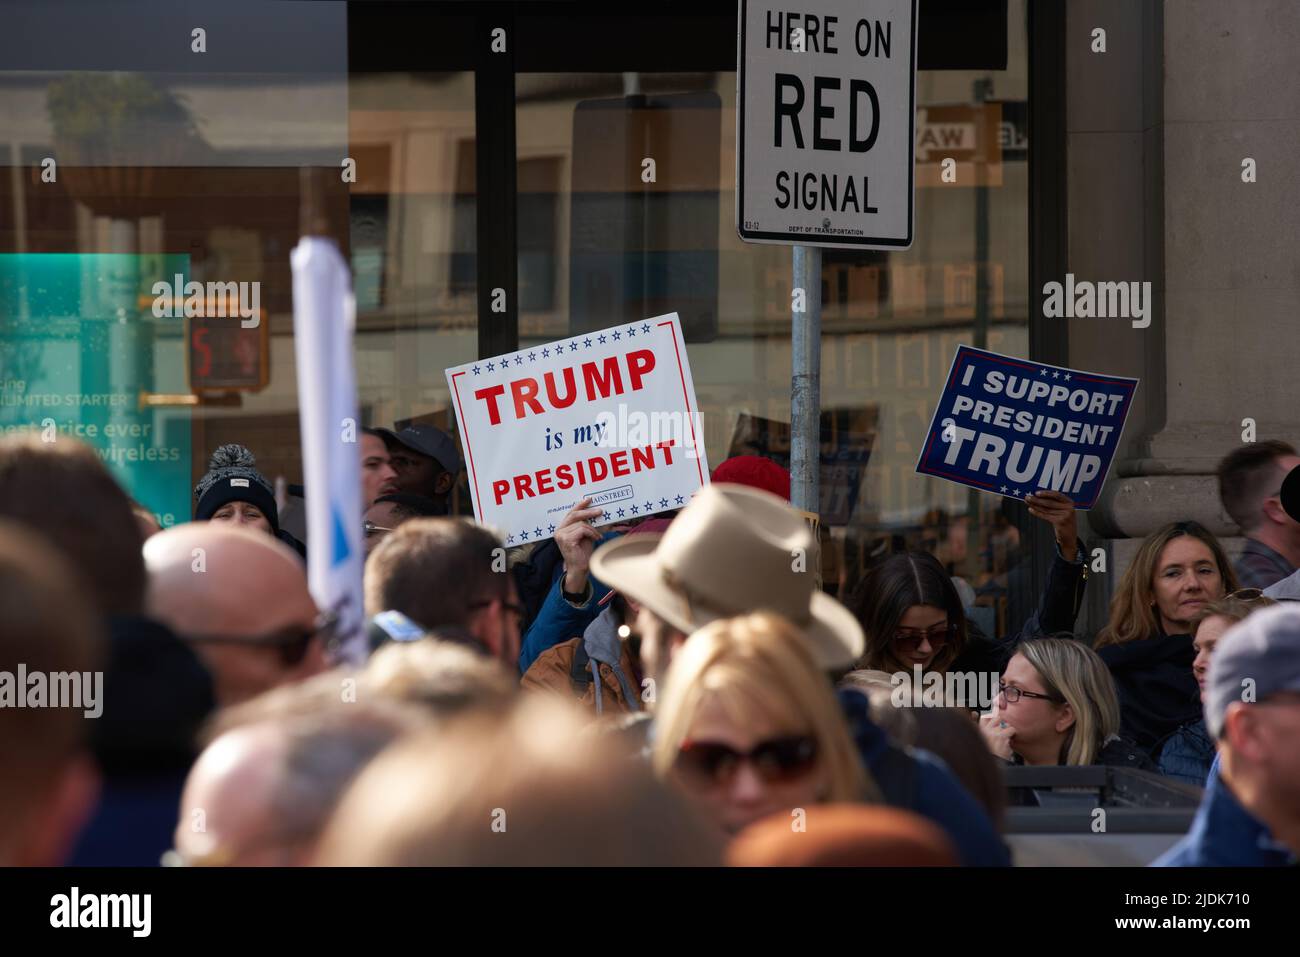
<point x="776" y="761"/>
<point x="290" y="642"/>
<point x="909" y="639"/>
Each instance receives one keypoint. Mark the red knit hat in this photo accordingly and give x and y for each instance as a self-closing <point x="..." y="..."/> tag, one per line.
<point x="756" y="472"/>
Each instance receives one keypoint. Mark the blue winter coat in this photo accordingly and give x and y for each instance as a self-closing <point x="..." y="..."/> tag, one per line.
<point x="1188" y="754"/>
<point x="919" y="781"/>
<point x="1225" y="834"/>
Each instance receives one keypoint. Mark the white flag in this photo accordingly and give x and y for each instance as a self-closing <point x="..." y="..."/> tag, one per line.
<point x="324" y="318"/>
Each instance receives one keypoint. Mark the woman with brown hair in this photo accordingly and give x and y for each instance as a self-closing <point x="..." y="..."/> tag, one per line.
<point x="912" y="615"/>
<point x="1147" y="643"/>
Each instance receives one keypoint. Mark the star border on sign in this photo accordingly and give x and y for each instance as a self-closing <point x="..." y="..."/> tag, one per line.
<point x="601" y="338"/>
<point x="476" y="370"/>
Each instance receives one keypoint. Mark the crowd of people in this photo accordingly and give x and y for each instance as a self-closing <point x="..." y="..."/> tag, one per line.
<point x="677" y="690"/>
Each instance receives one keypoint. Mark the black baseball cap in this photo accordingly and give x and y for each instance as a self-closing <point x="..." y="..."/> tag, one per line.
<point x="427" y="440"/>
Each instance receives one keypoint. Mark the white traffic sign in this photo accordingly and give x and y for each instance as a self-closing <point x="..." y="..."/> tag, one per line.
<point x="825" y="122"/>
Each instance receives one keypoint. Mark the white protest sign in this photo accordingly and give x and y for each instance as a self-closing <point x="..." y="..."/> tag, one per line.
<point x="825" y="122"/>
<point x="607" y="415"/>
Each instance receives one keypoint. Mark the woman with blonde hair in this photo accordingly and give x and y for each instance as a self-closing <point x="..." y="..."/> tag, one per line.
<point x="1147" y="643"/>
<point x="1057" y="705"/>
<point x="749" y="725"/>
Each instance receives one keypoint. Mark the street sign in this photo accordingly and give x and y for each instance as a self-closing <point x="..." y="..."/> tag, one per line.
<point x="825" y="123"/>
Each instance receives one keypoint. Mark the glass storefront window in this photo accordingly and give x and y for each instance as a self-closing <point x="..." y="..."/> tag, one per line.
<point x="620" y="247"/>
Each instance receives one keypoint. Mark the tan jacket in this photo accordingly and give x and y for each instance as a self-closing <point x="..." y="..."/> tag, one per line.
<point x="552" y="672"/>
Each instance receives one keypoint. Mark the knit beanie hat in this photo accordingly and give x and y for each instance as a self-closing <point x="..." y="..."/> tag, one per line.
<point x="756" y="472"/>
<point x="232" y="478"/>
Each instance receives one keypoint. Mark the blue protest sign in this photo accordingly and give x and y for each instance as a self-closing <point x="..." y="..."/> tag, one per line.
<point x="1013" y="427"/>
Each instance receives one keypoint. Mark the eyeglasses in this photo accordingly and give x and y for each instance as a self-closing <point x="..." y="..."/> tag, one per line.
<point x="370" y="528"/>
<point x="1013" y="694"/>
<point x="776" y="761"/>
<point x="291" y="642"/>
<point x="909" y="639"/>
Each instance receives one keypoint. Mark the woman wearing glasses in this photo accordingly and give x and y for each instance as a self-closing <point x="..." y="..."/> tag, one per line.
<point x="1147" y="643"/>
<point x="913" y="616"/>
<point x="749" y="726"/>
<point x="1188" y="752"/>
<point x="1057" y="705"/>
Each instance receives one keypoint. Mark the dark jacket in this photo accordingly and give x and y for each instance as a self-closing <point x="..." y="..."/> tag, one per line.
<point x="1116" y="753"/>
<point x="1225" y="834"/>
<point x="916" y="780"/>
<point x="1187" y="754"/>
<point x="1259" y="566"/>
<point x="1057" y="609"/>
<point x="1157" y="690"/>
<point x="156" y="696"/>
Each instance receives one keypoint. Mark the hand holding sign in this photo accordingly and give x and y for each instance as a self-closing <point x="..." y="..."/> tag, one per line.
<point x="1056" y="508"/>
<point x="576" y="540"/>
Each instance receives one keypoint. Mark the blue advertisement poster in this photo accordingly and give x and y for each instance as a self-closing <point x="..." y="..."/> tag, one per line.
<point x="1013" y="427"/>
<point x="79" y="344"/>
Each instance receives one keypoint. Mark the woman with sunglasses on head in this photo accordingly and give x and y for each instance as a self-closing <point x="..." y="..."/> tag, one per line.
<point x="749" y="726"/>
<point x="1147" y="643"/>
<point x="1056" y="704"/>
<point x="913" y="616"/>
<point x="1188" y="752"/>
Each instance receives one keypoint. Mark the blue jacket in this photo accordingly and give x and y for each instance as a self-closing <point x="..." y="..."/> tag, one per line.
<point x="559" y="620"/>
<point x="1188" y="754"/>
<point x="919" y="781"/>
<point x="1225" y="834"/>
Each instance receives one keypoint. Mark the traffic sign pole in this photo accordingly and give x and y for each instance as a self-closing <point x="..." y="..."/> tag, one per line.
<point x="806" y="379"/>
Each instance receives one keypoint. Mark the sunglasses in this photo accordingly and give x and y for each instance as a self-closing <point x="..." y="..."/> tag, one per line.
<point x="909" y="639"/>
<point x="291" y="643"/>
<point x="1247" y="594"/>
<point x="776" y="761"/>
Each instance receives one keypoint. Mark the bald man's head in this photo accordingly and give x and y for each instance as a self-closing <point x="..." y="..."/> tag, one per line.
<point x="241" y="599"/>
<point x="261" y="793"/>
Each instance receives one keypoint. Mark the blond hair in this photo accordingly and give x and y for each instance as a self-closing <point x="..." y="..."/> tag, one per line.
<point x="1132" y="610"/>
<point x="1074" y="672"/>
<point x="758" y="667"/>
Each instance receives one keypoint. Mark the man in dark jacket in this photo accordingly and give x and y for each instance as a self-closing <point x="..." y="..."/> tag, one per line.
<point x="1250" y="483"/>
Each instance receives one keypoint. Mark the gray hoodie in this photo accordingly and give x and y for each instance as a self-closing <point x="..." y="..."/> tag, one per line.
<point x="603" y="646"/>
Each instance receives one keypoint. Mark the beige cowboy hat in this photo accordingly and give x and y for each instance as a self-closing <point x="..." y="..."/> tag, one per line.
<point x="733" y="550"/>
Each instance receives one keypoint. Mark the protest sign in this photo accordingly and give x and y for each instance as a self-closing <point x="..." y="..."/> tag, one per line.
<point x="608" y="415"/>
<point x="1014" y="427"/>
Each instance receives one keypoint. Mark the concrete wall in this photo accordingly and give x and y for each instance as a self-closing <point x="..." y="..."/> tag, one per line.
<point x="1158" y="127"/>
